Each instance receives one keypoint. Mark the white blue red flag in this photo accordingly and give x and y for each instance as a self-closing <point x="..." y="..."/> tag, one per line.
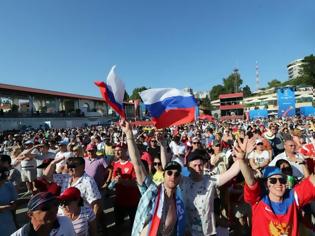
<point x="169" y="106"/>
<point x="113" y="92"/>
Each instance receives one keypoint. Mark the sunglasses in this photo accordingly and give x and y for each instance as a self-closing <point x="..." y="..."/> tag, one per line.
<point x="259" y="144"/>
<point x="274" y="180"/>
<point x="157" y="164"/>
<point x="175" y="173"/>
<point x="196" y="142"/>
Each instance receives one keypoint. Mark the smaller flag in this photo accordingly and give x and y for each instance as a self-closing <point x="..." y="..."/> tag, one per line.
<point x="113" y="92"/>
<point x="169" y="106"/>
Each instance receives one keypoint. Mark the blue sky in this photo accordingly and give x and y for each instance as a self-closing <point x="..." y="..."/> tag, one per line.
<point x="65" y="45"/>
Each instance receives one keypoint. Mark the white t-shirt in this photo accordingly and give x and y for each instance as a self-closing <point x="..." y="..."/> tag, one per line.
<point x="176" y="149"/>
<point x="259" y="158"/>
<point x="198" y="200"/>
<point x="297" y="169"/>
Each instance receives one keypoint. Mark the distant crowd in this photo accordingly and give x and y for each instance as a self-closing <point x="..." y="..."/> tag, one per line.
<point x="205" y="178"/>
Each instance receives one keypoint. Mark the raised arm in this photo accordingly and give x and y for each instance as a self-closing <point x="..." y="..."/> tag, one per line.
<point x="163" y="148"/>
<point x="133" y="151"/>
<point x="229" y="174"/>
<point x="243" y="161"/>
<point x="50" y="170"/>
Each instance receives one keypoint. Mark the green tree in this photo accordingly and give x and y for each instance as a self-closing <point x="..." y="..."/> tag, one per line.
<point x="274" y="83"/>
<point x="135" y="93"/>
<point x="216" y="91"/>
<point x="233" y="82"/>
<point x="205" y="104"/>
<point x="246" y="91"/>
<point x="126" y="96"/>
<point x="307" y="74"/>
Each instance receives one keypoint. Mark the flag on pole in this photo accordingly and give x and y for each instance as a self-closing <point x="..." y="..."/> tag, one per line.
<point x="113" y="92"/>
<point x="169" y="106"/>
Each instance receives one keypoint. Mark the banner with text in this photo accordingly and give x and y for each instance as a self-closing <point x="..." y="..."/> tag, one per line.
<point x="286" y="102"/>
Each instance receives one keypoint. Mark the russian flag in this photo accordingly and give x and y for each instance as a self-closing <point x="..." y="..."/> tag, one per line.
<point x="113" y="92"/>
<point x="169" y="106"/>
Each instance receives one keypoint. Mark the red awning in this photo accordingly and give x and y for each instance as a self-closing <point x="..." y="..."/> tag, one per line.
<point x="206" y="117"/>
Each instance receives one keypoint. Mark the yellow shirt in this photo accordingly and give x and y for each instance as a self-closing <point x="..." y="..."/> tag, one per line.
<point x="158" y="177"/>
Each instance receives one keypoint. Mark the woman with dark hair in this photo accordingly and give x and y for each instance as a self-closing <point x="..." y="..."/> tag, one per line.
<point x="82" y="217"/>
<point x="157" y="171"/>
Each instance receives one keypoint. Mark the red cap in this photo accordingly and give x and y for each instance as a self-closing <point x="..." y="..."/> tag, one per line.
<point x="91" y="147"/>
<point x="71" y="193"/>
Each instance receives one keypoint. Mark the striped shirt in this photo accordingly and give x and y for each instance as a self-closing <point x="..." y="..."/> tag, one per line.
<point x="81" y="224"/>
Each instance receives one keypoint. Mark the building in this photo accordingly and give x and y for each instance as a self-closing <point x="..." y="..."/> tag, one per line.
<point x="25" y="108"/>
<point x="267" y="99"/>
<point x="28" y="102"/>
<point x="231" y="106"/>
<point x="201" y="94"/>
<point x="294" y="68"/>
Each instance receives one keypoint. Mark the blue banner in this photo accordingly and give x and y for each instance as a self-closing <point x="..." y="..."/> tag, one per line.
<point x="307" y="111"/>
<point x="256" y="114"/>
<point x="286" y="102"/>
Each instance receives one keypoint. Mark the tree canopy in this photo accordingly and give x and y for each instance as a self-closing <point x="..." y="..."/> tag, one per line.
<point x="274" y="83"/>
<point x="231" y="84"/>
<point x="135" y="93"/>
<point x="306" y="75"/>
<point x="216" y="91"/>
<point x="246" y="91"/>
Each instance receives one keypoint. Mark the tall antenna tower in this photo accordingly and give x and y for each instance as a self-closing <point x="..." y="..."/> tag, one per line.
<point x="257" y="76"/>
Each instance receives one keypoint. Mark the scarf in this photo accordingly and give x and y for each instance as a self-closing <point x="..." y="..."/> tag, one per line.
<point x="158" y="210"/>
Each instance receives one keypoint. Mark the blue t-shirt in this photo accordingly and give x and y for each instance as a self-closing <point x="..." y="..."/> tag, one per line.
<point x="7" y="195"/>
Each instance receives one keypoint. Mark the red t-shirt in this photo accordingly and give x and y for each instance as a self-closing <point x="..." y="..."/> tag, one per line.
<point x="147" y="157"/>
<point x="127" y="196"/>
<point x="269" y="218"/>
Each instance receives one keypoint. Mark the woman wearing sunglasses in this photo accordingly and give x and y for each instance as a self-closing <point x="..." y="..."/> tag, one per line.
<point x="274" y="212"/>
<point x="157" y="171"/>
<point x="82" y="217"/>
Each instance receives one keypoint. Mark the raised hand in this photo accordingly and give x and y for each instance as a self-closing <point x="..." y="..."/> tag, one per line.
<point x="250" y="146"/>
<point x="125" y="127"/>
<point x="239" y="153"/>
<point x="160" y="138"/>
<point x="241" y="144"/>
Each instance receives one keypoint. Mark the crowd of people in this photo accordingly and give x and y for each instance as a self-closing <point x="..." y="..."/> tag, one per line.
<point x="232" y="177"/>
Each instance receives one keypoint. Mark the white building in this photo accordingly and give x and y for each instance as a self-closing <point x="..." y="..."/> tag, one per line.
<point x="267" y="99"/>
<point x="294" y="68"/>
<point x="201" y="94"/>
